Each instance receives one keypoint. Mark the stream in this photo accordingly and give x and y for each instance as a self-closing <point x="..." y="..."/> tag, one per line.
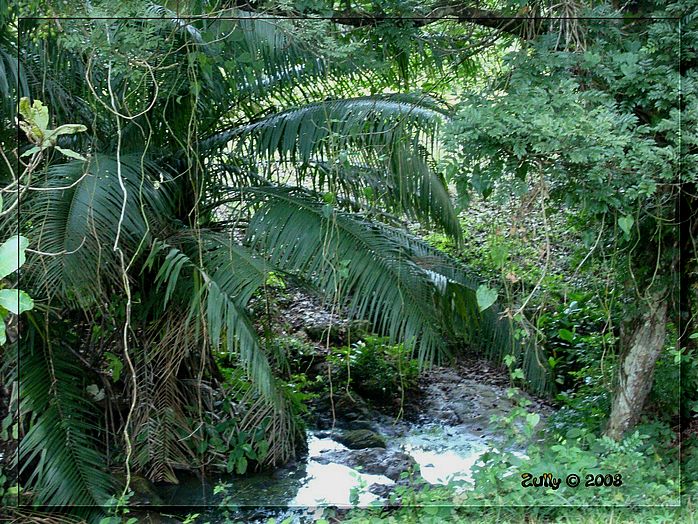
<point x="445" y="438"/>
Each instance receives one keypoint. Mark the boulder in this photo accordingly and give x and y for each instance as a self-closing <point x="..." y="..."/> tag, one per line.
<point x="378" y="461"/>
<point x="360" y="439"/>
<point x="351" y="407"/>
<point x="374" y="461"/>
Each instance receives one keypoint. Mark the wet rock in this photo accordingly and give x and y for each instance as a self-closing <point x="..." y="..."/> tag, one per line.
<point x="144" y="492"/>
<point x="374" y="461"/>
<point x="351" y="407"/>
<point x="396" y="464"/>
<point x="382" y="490"/>
<point x="377" y="461"/>
<point x="361" y="424"/>
<point x="351" y="412"/>
<point x="360" y="439"/>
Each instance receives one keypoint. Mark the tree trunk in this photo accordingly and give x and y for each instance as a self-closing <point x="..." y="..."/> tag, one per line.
<point x="636" y="372"/>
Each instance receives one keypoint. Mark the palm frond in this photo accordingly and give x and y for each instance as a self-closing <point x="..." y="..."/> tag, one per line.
<point x="302" y="134"/>
<point x="228" y="276"/>
<point x="409" y="290"/>
<point x="160" y="427"/>
<point x="405" y="186"/>
<point x="222" y="293"/>
<point x="349" y="259"/>
<point x="77" y="216"/>
<point x="376" y="142"/>
<point x="59" y="452"/>
<point x="490" y="331"/>
<point x="11" y="76"/>
<point x="280" y="58"/>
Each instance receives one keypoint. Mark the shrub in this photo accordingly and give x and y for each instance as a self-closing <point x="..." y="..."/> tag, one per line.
<point x="375" y="369"/>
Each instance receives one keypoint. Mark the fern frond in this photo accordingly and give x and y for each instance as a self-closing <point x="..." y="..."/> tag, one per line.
<point x="60" y="451"/>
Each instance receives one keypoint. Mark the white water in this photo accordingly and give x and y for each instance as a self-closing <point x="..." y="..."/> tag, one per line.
<point x="332" y="484"/>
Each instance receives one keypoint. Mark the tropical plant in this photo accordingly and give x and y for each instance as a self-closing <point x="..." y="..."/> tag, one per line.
<point x="15" y="301"/>
<point x="217" y="151"/>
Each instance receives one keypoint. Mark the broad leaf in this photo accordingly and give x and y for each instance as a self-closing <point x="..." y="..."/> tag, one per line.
<point x="485" y="296"/>
<point x="626" y="223"/>
<point x="15" y="300"/>
<point x="70" y="153"/>
<point x="31" y="151"/>
<point x="12" y="255"/>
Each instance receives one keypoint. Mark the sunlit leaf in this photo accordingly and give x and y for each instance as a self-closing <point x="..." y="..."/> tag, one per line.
<point x="12" y="255"/>
<point x="15" y="300"/>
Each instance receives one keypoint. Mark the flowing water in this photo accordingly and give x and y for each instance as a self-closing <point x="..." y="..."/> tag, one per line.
<point x="445" y="440"/>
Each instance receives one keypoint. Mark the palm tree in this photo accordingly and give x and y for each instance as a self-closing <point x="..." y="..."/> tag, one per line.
<point x="217" y="151"/>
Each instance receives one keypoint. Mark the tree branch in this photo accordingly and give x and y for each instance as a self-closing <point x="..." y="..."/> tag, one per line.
<point x="515" y="25"/>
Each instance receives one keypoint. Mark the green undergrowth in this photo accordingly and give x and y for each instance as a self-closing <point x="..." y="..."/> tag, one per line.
<point x="616" y="480"/>
<point x="642" y="471"/>
<point x="375" y="369"/>
<point x="534" y="515"/>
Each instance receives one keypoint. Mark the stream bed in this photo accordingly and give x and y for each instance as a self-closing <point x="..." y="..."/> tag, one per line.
<point x="445" y="439"/>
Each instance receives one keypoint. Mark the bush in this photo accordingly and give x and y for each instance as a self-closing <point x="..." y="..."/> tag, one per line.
<point x="375" y="369"/>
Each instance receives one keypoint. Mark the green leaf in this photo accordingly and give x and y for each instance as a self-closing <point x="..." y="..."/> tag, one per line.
<point x="31" y="151"/>
<point x="15" y="300"/>
<point x="245" y="58"/>
<point x="36" y="115"/>
<point x="70" y="153"/>
<point x="95" y="391"/>
<point x="115" y="365"/>
<point x="626" y="223"/>
<point x="485" y="296"/>
<point x="25" y="108"/>
<point x="565" y="334"/>
<point x="65" y="129"/>
<point x="12" y="255"/>
<point x="262" y="450"/>
<point x="241" y="465"/>
<point x="3" y="338"/>
<point x="499" y="254"/>
<point x="532" y="419"/>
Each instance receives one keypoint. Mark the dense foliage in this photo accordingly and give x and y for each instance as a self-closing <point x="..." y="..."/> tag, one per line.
<point x="175" y="162"/>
